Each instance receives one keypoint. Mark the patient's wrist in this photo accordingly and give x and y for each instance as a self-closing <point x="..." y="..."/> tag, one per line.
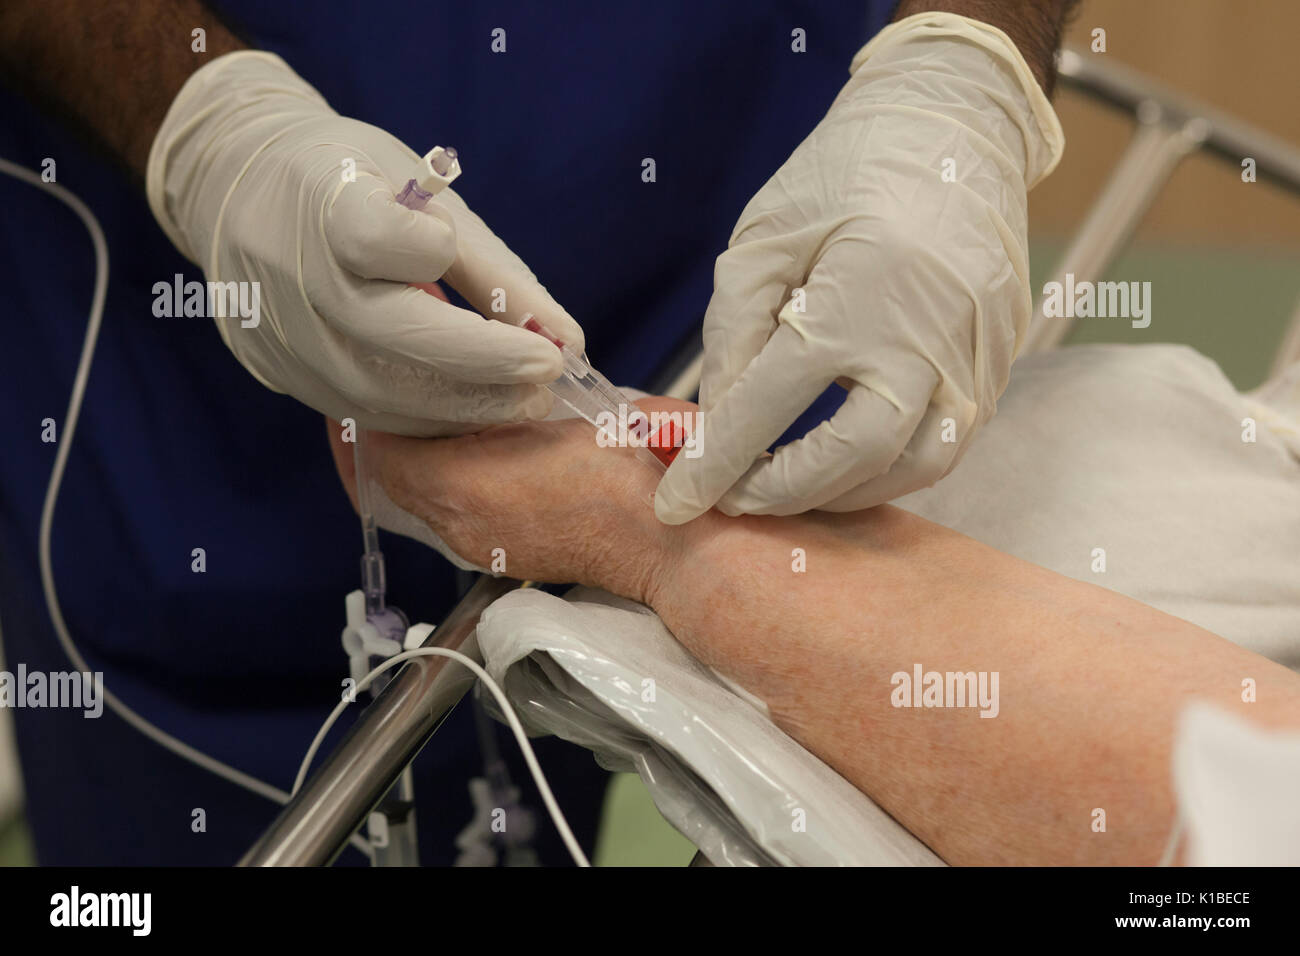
<point x="685" y="553"/>
<point x="638" y="557"/>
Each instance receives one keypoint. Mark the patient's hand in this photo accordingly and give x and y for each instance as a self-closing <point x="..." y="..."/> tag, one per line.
<point x="561" y="507"/>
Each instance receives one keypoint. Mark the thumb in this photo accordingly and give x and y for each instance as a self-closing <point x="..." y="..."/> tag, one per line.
<point x="376" y="237"/>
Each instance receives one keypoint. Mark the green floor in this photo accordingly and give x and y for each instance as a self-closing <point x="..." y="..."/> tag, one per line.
<point x="1232" y="306"/>
<point x="632" y="833"/>
<point x="15" y="844"/>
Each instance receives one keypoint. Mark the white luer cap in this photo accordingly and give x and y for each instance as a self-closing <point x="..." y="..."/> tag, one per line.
<point x="437" y="169"/>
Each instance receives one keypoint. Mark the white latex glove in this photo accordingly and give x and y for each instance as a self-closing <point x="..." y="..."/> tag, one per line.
<point x="249" y="176"/>
<point x="915" y="289"/>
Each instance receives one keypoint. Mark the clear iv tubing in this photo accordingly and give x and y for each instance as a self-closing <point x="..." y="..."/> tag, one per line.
<point x="373" y="577"/>
<point x="444" y="165"/>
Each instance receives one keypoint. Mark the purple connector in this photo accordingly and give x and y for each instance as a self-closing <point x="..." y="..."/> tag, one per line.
<point x="412" y="196"/>
<point x="437" y="169"/>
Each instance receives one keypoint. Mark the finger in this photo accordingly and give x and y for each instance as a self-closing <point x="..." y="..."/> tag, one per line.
<point x="781" y="381"/>
<point x="750" y="287"/>
<point x="375" y="237"/>
<point x="495" y="281"/>
<point x="928" y="457"/>
<point x="894" y="387"/>
<point x="406" y="324"/>
<point x="859" y="442"/>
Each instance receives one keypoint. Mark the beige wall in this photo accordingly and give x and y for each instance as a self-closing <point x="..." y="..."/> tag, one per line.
<point x="1242" y="56"/>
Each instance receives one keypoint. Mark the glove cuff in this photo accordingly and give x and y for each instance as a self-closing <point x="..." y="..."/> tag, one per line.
<point x="223" y="115"/>
<point x="1040" y="130"/>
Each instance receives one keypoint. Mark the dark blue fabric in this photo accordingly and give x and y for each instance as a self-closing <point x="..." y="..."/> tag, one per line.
<point x="178" y="448"/>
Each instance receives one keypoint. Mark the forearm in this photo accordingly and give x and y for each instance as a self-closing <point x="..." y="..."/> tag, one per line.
<point x="111" y="66"/>
<point x="1090" y="682"/>
<point x="1033" y="25"/>
<point x="816" y="614"/>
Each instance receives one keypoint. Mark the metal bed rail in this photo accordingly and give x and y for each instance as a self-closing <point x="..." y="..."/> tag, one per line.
<point x="315" y="825"/>
<point x="1170" y="127"/>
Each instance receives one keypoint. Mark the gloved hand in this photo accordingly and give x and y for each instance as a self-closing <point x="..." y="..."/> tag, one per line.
<point x="915" y="284"/>
<point x="250" y="176"/>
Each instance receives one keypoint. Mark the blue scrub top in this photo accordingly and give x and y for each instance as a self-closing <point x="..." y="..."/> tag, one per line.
<point x="179" y="448"/>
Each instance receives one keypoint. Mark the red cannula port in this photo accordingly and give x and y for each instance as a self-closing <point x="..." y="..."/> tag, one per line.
<point x="667" y="442"/>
